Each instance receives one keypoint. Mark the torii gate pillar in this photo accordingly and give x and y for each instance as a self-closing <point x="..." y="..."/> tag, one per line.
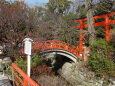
<point x="107" y="29"/>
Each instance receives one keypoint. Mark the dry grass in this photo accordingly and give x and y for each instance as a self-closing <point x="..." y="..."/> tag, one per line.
<point x="42" y="70"/>
<point x="45" y="80"/>
<point x="45" y="76"/>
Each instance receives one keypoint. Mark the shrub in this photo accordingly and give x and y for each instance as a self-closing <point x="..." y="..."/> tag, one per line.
<point x="112" y="36"/>
<point x="100" y="32"/>
<point x="42" y="70"/>
<point x="22" y="62"/>
<point x="45" y="76"/>
<point x="100" y="56"/>
<point x="112" y="43"/>
<point x="36" y="60"/>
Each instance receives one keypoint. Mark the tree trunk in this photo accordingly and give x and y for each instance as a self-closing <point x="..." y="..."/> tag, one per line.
<point x="90" y="21"/>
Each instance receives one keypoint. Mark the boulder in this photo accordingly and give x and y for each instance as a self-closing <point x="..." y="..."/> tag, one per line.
<point x="78" y="75"/>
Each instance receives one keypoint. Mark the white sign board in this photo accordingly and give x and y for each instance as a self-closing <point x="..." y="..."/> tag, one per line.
<point x="27" y="46"/>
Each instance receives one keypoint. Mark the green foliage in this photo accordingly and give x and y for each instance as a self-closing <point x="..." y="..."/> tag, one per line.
<point x="100" y="32"/>
<point x="112" y="40"/>
<point x="104" y="6"/>
<point x="4" y="2"/>
<point x="22" y="63"/>
<point x="69" y="19"/>
<point x="8" y="70"/>
<point x="58" y="6"/>
<point x="36" y="60"/>
<point x="69" y="35"/>
<point x="82" y="11"/>
<point x="63" y="5"/>
<point x="100" y="60"/>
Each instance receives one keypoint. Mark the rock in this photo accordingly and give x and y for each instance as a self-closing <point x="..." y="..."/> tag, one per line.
<point x="1" y="50"/>
<point x="100" y="82"/>
<point x="66" y="69"/>
<point x="0" y="66"/>
<point x="91" y="74"/>
<point x="100" y="85"/>
<point x="5" y="82"/>
<point x="112" y="80"/>
<point x="96" y="84"/>
<point x="7" y="60"/>
<point x="81" y="77"/>
<point x="111" y="85"/>
<point x="67" y="65"/>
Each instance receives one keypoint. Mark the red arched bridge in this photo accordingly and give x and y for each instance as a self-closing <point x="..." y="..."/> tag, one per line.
<point x="62" y="48"/>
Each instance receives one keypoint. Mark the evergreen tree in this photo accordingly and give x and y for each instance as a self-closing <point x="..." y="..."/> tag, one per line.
<point x="104" y="6"/>
<point x="59" y="6"/>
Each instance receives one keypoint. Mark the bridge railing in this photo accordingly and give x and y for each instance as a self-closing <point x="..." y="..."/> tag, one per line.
<point x="45" y="45"/>
<point x="20" y="78"/>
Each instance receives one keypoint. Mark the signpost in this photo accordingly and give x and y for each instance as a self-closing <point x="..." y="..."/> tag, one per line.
<point x="27" y="51"/>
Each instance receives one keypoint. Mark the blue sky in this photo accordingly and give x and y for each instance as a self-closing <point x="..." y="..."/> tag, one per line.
<point x="34" y="2"/>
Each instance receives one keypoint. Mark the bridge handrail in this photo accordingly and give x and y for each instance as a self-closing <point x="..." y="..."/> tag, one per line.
<point x="17" y="73"/>
<point x="53" y="44"/>
<point x="55" y="41"/>
<point x="57" y="44"/>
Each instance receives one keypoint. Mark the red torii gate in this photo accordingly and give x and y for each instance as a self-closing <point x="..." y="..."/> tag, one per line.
<point x="106" y="23"/>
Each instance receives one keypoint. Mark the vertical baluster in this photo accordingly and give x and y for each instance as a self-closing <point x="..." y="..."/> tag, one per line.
<point x="25" y="83"/>
<point x="81" y="38"/>
<point x="13" y="76"/>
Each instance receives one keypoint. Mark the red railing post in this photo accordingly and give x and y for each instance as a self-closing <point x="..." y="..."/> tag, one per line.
<point x="25" y="83"/>
<point x="81" y="35"/>
<point x="81" y="38"/>
<point x="13" y="76"/>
